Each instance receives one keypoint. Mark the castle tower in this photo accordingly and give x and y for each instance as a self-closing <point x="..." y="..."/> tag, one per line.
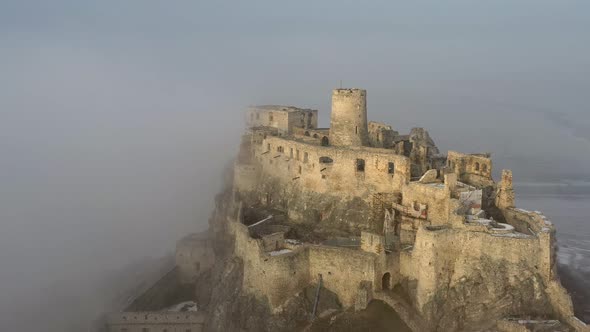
<point x="348" y="121"/>
<point x="505" y="196"/>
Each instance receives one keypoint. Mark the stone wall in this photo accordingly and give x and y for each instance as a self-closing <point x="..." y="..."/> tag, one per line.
<point x="271" y="278"/>
<point x="245" y="178"/>
<point x="435" y="196"/>
<point x="156" y="321"/>
<point x="284" y="118"/>
<point x="342" y="269"/>
<point x="331" y="169"/>
<point x="381" y="135"/>
<point x="278" y="278"/>
<point x="446" y="263"/>
<point x="194" y="255"/>
<point x="473" y="169"/>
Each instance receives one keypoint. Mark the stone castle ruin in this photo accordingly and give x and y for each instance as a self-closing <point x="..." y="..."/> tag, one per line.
<point x="360" y="213"/>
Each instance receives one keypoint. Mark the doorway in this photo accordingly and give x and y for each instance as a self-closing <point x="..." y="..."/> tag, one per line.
<point x="386" y="281"/>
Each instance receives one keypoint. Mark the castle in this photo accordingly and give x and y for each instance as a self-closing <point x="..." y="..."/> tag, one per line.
<point x="369" y="214"/>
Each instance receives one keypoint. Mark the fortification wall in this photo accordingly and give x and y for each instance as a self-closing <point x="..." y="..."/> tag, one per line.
<point x="472" y="269"/>
<point x="194" y="255"/>
<point x="435" y="196"/>
<point x="245" y="178"/>
<point x="276" y="118"/>
<point x="562" y="303"/>
<point x="291" y="161"/>
<point x="381" y="135"/>
<point x="156" y="321"/>
<point x="307" y="119"/>
<point x="472" y="169"/>
<point x="278" y="278"/>
<point x="527" y="222"/>
<point x="284" y="118"/>
<point x="272" y="278"/>
<point x="537" y="224"/>
<point x="342" y="270"/>
<point x="315" y="134"/>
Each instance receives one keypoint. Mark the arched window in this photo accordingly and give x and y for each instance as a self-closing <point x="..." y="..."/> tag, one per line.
<point x="306" y="133"/>
<point x="477" y="166"/>
<point x="325" y="141"/>
<point x="315" y="136"/>
<point x="485" y="167"/>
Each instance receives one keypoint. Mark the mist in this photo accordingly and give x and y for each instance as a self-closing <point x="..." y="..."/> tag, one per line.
<point x="118" y="118"/>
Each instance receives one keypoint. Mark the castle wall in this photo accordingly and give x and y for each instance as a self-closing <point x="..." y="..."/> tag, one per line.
<point x="381" y="135"/>
<point x="274" y="241"/>
<point x="435" y="196"/>
<point x="339" y="176"/>
<point x="274" y="278"/>
<point x="284" y="118"/>
<point x="303" y="119"/>
<point x="278" y="278"/>
<point x="194" y="255"/>
<point x="473" y="169"/>
<point x="245" y="178"/>
<point x="156" y="321"/>
<point x="342" y="270"/>
<point x="444" y="259"/>
<point x="314" y="136"/>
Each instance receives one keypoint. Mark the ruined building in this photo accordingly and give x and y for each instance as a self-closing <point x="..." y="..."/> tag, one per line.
<point x="361" y="212"/>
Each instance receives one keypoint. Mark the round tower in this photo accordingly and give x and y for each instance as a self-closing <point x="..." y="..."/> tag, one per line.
<point x="348" y="121"/>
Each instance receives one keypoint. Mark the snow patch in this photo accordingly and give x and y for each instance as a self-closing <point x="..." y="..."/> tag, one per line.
<point x="184" y="306"/>
<point x="280" y="252"/>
